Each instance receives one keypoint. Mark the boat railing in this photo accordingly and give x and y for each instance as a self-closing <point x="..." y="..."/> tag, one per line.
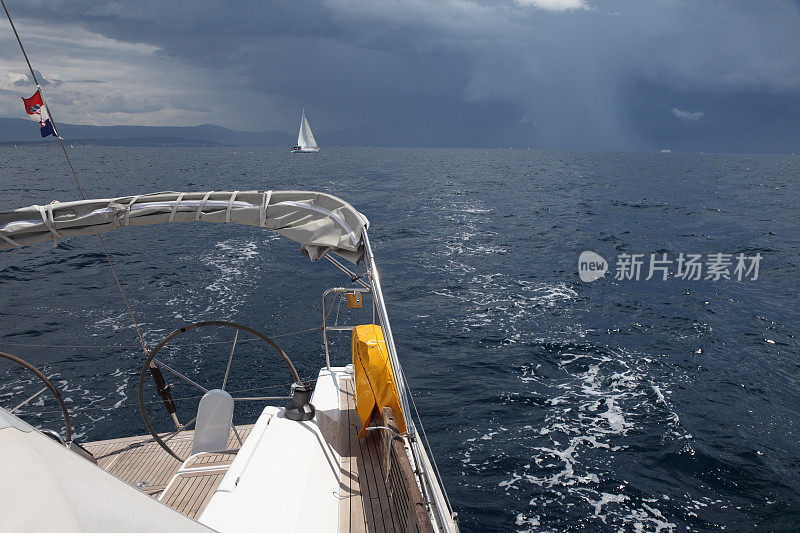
<point x="427" y="483"/>
<point x="439" y="504"/>
<point x="406" y="503"/>
<point x="340" y="291"/>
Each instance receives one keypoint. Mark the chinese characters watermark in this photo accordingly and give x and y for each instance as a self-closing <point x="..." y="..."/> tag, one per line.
<point x="692" y="267"/>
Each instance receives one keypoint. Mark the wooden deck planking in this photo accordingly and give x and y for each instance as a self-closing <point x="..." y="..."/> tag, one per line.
<point x="150" y="464"/>
<point x="352" y="513"/>
<point x="200" y="503"/>
<point x="379" y="491"/>
<point x="365" y="501"/>
<point x="211" y="459"/>
<point x="191" y="491"/>
<point x="142" y="463"/>
<point x="366" y="474"/>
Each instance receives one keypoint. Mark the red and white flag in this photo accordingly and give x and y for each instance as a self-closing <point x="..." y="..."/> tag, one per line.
<point x="36" y="109"/>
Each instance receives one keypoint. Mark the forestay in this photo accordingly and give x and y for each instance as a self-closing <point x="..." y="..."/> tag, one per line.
<point x="320" y="222"/>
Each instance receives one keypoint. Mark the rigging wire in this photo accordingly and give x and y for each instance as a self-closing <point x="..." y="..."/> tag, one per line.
<point x="113" y="408"/>
<point x="125" y="346"/>
<point x="36" y="81"/>
<point x="428" y="446"/>
<point x="75" y="177"/>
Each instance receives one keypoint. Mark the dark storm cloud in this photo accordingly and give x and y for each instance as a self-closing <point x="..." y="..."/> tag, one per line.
<point x="468" y="73"/>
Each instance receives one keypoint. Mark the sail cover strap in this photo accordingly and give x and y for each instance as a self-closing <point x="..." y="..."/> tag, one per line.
<point x="320" y="222"/>
<point x="128" y="210"/>
<point x="176" y="206"/>
<point x="331" y="214"/>
<point x="262" y="216"/>
<point x="202" y="205"/>
<point x="47" y="220"/>
<point x="230" y="206"/>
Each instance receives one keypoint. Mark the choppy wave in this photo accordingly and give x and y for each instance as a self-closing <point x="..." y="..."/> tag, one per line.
<point x="594" y="401"/>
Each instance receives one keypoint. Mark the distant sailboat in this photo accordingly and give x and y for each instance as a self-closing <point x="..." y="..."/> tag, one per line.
<point x="305" y="139"/>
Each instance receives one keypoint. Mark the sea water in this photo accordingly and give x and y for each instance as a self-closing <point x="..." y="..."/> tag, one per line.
<point x="551" y="404"/>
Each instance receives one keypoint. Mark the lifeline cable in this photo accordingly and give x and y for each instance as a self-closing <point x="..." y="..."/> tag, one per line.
<point x="195" y="397"/>
<point x="123" y="346"/>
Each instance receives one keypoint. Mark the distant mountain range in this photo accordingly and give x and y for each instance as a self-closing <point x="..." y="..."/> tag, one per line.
<point x="24" y="131"/>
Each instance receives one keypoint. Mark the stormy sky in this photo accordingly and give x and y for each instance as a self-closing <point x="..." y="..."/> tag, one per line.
<point x="698" y="75"/>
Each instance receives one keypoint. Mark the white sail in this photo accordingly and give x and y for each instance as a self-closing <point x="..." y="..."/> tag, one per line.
<point x="310" y="141"/>
<point x="305" y="139"/>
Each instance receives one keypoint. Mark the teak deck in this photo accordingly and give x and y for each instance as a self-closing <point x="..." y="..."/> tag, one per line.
<point x="372" y="500"/>
<point x="378" y="490"/>
<point x="142" y="463"/>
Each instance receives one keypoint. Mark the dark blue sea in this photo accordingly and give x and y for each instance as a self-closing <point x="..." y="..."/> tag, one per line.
<point x="551" y="404"/>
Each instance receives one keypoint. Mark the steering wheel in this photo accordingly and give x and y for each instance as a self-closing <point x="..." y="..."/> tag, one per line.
<point x="49" y="385"/>
<point x="152" y="363"/>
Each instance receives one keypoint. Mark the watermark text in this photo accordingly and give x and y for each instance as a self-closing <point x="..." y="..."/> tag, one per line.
<point x="662" y="266"/>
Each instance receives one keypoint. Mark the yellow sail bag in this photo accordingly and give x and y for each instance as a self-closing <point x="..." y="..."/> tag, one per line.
<point x="375" y="387"/>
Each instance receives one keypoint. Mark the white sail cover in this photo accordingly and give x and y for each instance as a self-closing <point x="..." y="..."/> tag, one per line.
<point x="46" y="487"/>
<point x="320" y="222"/>
<point x="305" y="139"/>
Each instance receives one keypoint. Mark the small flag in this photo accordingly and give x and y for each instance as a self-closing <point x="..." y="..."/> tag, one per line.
<point x="47" y="128"/>
<point x="35" y="108"/>
<point x="34" y="105"/>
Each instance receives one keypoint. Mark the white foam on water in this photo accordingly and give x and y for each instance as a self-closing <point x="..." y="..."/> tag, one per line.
<point x="470" y="237"/>
<point x="85" y="404"/>
<point x="529" y="522"/>
<point x="497" y="302"/>
<point x="121" y="392"/>
<point x="231" y="259"/>
<point x="605" y="499"/>
<point x="614" y="417"/>
<point x="233" y="264"/>
<point x="597" y="399"/>
<point x="115" y="322"/>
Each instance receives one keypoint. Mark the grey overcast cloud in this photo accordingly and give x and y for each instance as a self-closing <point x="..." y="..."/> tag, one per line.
<point x="694" y="75"/>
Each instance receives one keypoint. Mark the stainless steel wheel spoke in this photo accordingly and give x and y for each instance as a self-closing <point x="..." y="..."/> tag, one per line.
<point x="184" y="378"/>
<point x="152" y="363"/>
<point x="230" y="358"/>
<point x="26" y="401"/>
<point x="262" y="398"/>
<point x="182" y="428"/>
<point x="235" y="432"/>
